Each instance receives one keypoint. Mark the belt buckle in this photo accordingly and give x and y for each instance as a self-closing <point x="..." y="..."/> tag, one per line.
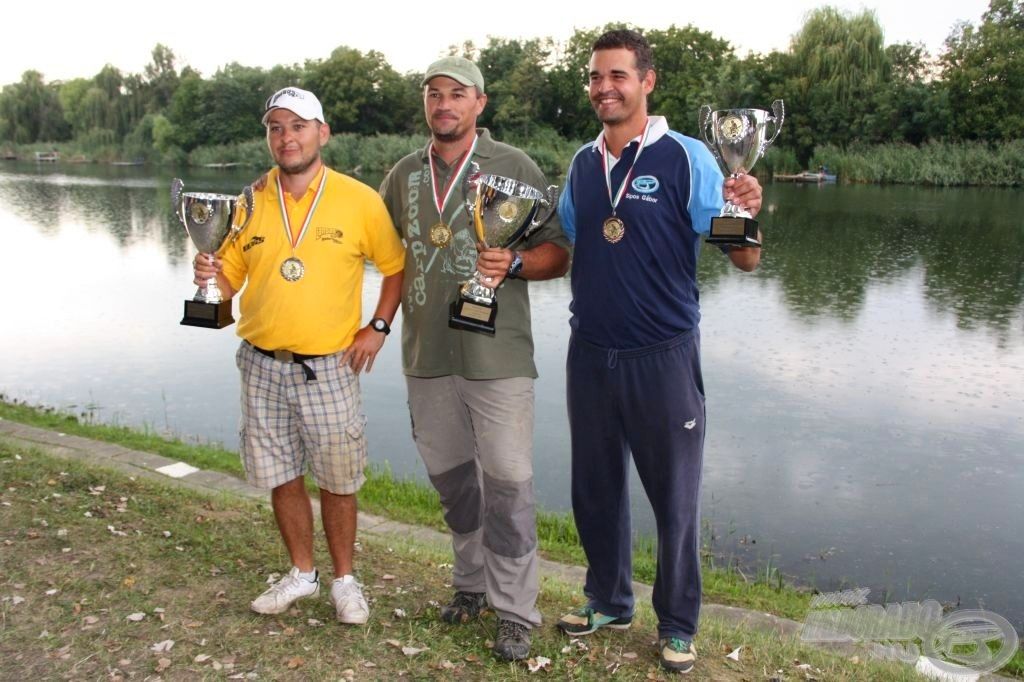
<point x="284" y="356"/>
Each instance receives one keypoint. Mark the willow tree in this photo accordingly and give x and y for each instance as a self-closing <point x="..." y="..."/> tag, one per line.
<point x="840" y="61"/>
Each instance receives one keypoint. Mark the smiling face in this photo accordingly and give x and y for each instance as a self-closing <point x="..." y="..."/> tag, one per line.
<point x="618" y="91"/>
<point x="294" y="142"/>
<point x="451" y="108"/>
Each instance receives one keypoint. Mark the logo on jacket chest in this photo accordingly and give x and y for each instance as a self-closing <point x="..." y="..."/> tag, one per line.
<point x="643" y="187"/>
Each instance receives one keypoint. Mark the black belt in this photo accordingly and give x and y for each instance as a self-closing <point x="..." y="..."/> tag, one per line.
<point x="288" y="356"/>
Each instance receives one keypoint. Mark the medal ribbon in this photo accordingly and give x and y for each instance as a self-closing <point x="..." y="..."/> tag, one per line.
<point x="608" y="172"/>
<point x="438" y="201"/>
<point x="309" y="214"/>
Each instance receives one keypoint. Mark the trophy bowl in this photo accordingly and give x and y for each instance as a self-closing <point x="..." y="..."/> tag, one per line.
<point x="738" y="138"/>
<point x="502" y="211"/>
<point x="211" y="222"/>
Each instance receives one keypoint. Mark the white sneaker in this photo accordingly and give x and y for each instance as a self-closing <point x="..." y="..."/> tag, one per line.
<point x="285" y="592"/>
<point x="349" y="604"/>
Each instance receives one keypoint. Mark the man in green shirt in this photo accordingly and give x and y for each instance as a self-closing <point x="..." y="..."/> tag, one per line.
<point x="471" y="395"/>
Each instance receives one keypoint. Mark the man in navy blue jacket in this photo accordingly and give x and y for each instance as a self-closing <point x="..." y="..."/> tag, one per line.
<point x="638" y="201"/>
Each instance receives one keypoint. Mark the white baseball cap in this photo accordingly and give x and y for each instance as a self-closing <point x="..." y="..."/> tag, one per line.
<point x="302" y="103"/>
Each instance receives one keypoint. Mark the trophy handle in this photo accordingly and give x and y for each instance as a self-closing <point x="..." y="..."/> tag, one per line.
<point x="779" y="111"/>
<point x="176" y="187"/>
<point x="549" y="204"/>
<point x="704" y="123"/>
<point x="469" y="182"/>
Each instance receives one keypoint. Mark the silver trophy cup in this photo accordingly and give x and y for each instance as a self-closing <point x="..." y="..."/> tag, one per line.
<point x="211" y="223"/>
<point x="502" y="211"/>
<point x="738" y="138"/>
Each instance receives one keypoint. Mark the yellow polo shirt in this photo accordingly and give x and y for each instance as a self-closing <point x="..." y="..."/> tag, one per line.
<point x="321" y="312"/>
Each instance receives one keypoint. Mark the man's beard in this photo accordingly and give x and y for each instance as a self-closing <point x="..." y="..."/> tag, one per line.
<point x="299" y="167"/>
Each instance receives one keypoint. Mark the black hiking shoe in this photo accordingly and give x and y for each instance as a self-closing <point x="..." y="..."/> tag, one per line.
<point x="464" y="607"/>
<point x="513" y="642"/>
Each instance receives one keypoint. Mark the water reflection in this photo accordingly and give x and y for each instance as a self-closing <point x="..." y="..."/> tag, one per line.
<point x="865" y="392"/>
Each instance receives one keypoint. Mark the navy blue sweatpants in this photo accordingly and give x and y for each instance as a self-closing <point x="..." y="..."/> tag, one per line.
<point x="648" y="402"/>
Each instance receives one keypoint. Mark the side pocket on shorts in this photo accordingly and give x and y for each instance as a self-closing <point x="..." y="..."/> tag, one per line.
<point x="355" y="445"/>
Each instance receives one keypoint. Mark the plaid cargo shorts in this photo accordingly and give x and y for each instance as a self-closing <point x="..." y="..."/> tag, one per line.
<point x="290" y="425"/>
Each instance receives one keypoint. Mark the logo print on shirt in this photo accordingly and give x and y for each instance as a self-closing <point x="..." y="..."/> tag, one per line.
<point x="690" y="424"/>
<point x="329" y="233"/>
<point x="646" y="184"/>
<point x="255" y="241"/>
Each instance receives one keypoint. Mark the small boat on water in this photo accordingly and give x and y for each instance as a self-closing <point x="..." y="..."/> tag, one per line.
<point x="48" y="157"/>
<point x="806" y="176"/>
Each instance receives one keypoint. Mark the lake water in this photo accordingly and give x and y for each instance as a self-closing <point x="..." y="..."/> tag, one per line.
<point x="865" y="385"/>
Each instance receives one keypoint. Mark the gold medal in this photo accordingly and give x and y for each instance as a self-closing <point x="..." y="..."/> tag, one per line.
<point x="614" y="228"/>
<point x="292" y="269"/>
<point x="440" y="235"/>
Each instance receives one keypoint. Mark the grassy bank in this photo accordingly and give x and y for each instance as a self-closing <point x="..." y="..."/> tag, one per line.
<point x="412" y="501"/>
<point x="345" y="151"/>
<point x="103" y="576"/>
<point x="941" y="164"/>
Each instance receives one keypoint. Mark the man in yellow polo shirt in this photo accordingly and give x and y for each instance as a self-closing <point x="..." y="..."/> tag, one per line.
<point x="301" y="262"/>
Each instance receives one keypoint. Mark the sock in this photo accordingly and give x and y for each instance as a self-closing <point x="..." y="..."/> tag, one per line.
<point x="310" y="577"/>
<point x="346" y="579"/>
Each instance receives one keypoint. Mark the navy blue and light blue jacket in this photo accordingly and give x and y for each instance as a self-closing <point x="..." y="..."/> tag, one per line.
<point x="642" y="290"/>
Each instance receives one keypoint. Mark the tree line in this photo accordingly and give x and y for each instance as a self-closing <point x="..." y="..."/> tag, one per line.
<point x="843" y="88"/>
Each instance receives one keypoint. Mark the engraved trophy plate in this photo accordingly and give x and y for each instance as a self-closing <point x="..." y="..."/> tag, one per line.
<point x="737" y="139"/>
<point x="502" y="211"/>
<point x="211" y="223"/>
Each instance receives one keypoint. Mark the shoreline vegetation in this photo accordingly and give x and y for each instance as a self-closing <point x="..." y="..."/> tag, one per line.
<point x="867" y="110"/>
<point x="934" y="164"/>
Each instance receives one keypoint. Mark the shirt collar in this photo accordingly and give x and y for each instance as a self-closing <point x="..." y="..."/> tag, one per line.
<point x="659" y="127"/>
<point x="484" y="146"/>
<point x="314" y="184"/>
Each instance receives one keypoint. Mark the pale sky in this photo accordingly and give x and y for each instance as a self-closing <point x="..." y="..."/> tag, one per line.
<point x="66" y="40"/>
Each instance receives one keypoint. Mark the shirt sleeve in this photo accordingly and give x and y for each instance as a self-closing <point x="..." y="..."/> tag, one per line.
<point x="567" y="209"/>
<point x="383" y="247"/>
<point x="706" y="181"/>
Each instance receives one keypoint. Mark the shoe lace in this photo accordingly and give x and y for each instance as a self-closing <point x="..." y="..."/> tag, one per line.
<point x="285" y="584"/>
<point x="679" y="644"/>
<point x="510" y="629"/>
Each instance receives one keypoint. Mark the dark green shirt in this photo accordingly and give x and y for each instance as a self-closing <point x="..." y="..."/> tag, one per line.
<point x="433" y="274"/>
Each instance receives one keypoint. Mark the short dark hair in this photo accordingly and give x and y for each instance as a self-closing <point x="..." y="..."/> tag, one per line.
<point x="630" y="40"/>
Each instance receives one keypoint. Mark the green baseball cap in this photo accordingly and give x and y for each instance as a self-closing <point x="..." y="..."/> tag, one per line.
<point x="458" y="69"/>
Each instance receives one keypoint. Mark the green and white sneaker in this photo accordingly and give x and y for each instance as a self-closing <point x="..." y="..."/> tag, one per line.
<point x="677" y="654"/>
<point x="585" y="620"/>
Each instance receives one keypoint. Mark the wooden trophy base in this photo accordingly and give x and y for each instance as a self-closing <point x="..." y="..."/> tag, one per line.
<point x="733" y="231"/>
<point x="472" y="316"/>
<point x="210" y="315"/>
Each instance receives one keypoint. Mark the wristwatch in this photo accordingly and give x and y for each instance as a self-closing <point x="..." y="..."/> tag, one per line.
<point x="380" y="324"/>
<point x="517" y="265"/>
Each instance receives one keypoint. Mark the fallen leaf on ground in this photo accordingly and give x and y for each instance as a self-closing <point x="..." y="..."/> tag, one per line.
<point x="348" y="674"/>
<point x="393" y="642"/>
<point x="90" y="620"/>
<point x="162" y="647"/>
<point x="50" y="593"/>
<point x="163" y="664"/>
<point x="629" y="655"/>
<point x="412" y="651"/>
<point x="538" y="663"/>
<point x="314" y="623"/>
<point x="399" y="613"/>
<point x="296" y="662"/>
<point x="368" y="664"/>
<point x="202" y="658"/>
<point x="135" y="617"/>
<point x="387" y="576"/>
<point x="735" y="655"/>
